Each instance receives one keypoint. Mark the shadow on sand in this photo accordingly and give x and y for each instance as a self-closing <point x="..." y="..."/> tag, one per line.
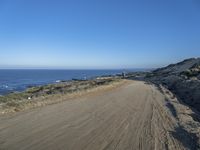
<point x="187" y="139"/>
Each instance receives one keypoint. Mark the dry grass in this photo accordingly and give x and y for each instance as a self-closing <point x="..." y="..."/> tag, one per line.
<point x="54" y="93"/>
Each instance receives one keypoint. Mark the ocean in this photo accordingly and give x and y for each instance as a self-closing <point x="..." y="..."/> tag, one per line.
<point x="18" y="80"/>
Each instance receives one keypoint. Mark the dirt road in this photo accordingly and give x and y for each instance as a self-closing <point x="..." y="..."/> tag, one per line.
<point x="131" y="117"/>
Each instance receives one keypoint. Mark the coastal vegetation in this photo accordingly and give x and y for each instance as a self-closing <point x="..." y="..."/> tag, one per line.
<point x="42" y="95"/>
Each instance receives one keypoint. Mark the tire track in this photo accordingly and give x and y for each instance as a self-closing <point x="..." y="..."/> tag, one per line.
<point x="130" y="117"/>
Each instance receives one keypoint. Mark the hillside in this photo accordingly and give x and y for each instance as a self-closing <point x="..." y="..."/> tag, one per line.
<point x="183" y="79"/>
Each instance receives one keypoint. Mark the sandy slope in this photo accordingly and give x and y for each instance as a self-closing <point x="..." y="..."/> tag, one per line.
<point x="134" y="116"/>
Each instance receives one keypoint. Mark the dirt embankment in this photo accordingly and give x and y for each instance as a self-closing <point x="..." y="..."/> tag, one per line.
<point x="183" y="79"/>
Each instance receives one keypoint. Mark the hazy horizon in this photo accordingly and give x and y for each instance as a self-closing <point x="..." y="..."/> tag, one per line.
<point x="50" y="68"/>
<point x="85" y="68"/>
<point x="93" y="34"/>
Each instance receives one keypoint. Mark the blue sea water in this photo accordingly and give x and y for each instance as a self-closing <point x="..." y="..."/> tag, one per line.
<point x="19" y="80"/>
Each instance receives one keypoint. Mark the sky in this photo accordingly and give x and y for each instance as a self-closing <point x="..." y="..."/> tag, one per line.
<point x="98" y="34"/>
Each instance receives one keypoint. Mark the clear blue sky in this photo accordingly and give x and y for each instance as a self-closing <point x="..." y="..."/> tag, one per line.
<point x="98" y="33"/>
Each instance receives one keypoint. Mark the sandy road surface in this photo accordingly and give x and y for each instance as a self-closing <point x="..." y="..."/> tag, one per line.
<point x="131" y="117"/>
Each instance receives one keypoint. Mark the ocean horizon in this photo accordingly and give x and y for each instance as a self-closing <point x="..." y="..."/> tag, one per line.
<point x="17" y="80"/>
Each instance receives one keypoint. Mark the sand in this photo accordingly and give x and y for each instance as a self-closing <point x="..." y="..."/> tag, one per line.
<point x="131" y="117"/>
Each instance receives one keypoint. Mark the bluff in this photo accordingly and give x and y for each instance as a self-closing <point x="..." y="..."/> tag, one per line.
<point x="182" y="78"/>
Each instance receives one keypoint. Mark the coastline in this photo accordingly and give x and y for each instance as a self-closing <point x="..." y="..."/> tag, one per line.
<point x="19" y="80"/>
<point x="39" y="96"/>
<point x="140" y="97"/>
